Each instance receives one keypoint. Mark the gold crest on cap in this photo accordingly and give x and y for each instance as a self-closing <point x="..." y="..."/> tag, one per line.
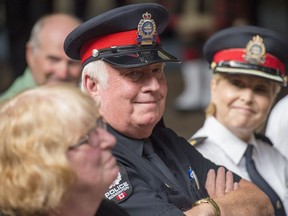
<point x="255" y="51"/>
<point x="146" y="30"/>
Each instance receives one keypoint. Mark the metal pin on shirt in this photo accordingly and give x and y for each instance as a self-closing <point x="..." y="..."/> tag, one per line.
<point x="168" y="186"/>
<point x="192" y="175"/>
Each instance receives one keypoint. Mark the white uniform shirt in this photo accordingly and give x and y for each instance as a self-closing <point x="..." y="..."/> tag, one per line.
<point x="224" y="148"/>
<point x="277" y="126"/>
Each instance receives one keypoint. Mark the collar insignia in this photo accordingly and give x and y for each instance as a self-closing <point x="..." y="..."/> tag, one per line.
<point x="146" y="30"/>
<point x="255" y="51"/>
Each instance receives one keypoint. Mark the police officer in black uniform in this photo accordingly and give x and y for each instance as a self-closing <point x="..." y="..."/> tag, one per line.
<point x="160" y="172"/>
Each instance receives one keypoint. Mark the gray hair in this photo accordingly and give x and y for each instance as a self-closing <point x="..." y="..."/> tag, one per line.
<point x="96" y="70"/>
<point x="34" y="39"/>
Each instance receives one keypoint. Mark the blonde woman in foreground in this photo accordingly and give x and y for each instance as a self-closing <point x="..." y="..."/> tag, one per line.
<point x="55" y="154"/>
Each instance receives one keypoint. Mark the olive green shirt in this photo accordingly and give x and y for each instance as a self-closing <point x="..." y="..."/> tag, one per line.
<point x="26" y="81"/>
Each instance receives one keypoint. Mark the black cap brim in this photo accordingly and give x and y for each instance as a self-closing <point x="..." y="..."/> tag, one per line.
<point x="134" y="57"/>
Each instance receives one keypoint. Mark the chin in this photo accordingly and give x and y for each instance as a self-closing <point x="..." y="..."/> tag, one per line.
<point x="242" y="126"/>
<point x="152" y="118"/>
<point x="150" y="123"/>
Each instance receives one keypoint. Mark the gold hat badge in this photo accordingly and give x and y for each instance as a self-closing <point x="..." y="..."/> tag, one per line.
<point x="147" y="33"/>
<point x="255" y="51"/>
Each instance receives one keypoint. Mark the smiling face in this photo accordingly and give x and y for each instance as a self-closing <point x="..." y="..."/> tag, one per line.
<point x="134" y="99"/>
<point x="242" y="102"/>
<point x="45" y="54"/>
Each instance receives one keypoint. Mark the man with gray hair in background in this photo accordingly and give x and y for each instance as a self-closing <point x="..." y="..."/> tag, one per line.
<point x="46" y="59"/>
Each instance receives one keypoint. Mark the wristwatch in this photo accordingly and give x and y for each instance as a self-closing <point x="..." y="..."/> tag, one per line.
<point x="211" y="202"/>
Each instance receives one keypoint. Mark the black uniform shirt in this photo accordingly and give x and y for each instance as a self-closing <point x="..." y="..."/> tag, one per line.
<point x="143" y="190"/>
<point x="108" y="208"/>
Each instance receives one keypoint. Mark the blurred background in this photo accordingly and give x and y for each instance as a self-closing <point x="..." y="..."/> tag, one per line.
<point x="192" y="22"/>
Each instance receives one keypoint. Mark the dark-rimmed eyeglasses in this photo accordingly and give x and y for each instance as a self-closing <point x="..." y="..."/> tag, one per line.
<point x="87" y="138"/>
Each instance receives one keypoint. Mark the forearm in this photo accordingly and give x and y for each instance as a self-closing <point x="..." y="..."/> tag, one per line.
<point x="247" y="200"/>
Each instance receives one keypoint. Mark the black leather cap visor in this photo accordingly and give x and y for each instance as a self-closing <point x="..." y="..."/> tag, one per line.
<point x="133" y="56"/>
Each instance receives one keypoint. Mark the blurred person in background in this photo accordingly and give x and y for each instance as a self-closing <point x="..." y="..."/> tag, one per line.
<point x="55" y="154"/>
<point x="249" y="65"/>
<point x="46" y="59"/>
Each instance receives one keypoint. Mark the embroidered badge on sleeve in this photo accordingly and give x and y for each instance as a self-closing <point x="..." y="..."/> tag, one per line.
<point x="121" y="188"/>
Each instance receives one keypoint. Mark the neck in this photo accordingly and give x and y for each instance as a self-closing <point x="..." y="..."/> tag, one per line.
<point x="140" y="132"/>
<point x="244" y="135"/>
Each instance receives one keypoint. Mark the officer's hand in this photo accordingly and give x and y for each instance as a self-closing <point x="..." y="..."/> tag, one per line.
<point x="218" y="185"/>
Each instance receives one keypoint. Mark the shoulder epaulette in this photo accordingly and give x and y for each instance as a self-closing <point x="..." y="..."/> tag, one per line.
<point x="263" y="138"/>
<point x="196" y="140"/>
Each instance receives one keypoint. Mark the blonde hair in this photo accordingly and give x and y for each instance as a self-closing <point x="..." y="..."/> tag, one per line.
<point x="211" y="108"/>
<point x="37" y="127"/>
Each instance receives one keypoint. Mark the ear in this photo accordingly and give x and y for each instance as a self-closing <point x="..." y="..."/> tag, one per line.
<point x="29" y="54"/>
<point x="90" y="86"/>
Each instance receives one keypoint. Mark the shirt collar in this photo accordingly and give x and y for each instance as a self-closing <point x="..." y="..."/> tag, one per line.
<point x="253" y="142"/>
<point x="135" y="145"/>
<point x="233" y="147"/>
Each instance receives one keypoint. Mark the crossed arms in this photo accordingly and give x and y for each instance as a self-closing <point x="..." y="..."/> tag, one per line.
<point x="226" y="193"/>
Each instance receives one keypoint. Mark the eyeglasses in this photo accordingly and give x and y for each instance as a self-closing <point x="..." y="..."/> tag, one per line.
<point x="87" y="138"/>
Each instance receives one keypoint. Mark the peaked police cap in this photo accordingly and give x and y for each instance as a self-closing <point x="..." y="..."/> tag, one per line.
<point x="125" y="37"/>
<point x="249" y="50"/>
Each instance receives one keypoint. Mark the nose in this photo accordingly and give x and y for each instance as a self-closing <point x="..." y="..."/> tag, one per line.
<point x="151" y="84"/>
<point x="246" y="95"/>
<point x="62" y="71"/>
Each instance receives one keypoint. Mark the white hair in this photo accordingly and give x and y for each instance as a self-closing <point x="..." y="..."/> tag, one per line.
<point x="96" y="70"/>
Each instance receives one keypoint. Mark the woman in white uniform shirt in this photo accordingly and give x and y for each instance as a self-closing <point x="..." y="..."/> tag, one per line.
<point x="249" y="67"/>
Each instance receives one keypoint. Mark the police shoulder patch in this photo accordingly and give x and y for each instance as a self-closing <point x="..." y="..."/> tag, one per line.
<point x="121" y="188"/>
<point x="196" y="140"/>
